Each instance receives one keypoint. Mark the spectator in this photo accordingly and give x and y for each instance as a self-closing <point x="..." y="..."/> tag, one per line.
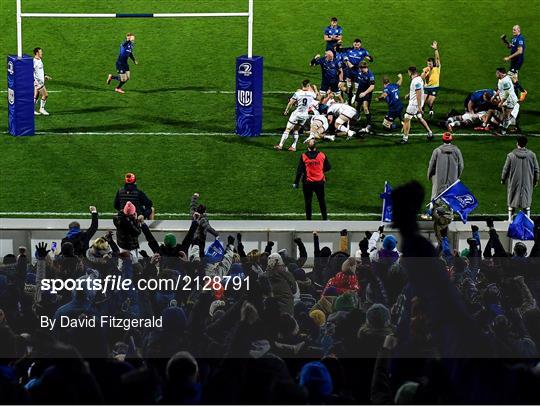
<point x="128" y="228"/>
<point x="520" y="174"/>
<point x="198" y="211"/>
<point x="79" y="239"/>
<point x="130" y="192"/>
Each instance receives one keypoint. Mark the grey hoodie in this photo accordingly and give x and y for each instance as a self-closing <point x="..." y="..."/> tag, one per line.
<point x="520" y="173"/>
<point x="445" y="167"/>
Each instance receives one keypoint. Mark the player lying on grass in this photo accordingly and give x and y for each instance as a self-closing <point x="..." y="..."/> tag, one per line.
<point x="391" y="96"/>
<point x="304" y="99"/>
<point x="122" y="66"/>
<point x="39" y="82"/>
<point x="345" y="116"/>
<point x="318" y="126"/>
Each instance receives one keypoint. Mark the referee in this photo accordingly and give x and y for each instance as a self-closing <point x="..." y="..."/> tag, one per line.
<point x="312" y="166"/>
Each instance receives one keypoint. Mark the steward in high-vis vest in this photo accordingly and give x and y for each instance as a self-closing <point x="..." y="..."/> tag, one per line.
<point x="131" y="193"/>
<point x="312" y="166"/>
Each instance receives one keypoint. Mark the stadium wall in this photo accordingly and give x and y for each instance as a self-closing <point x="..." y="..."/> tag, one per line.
<point x="15" y="232"/>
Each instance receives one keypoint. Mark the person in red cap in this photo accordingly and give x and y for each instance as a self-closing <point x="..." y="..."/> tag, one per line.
<point x="131" y="193"/>
<point x="445" y="166"/>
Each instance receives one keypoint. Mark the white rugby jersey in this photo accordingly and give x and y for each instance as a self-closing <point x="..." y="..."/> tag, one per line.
<point x="304" y="100"/>
<point x="39" y="73"/>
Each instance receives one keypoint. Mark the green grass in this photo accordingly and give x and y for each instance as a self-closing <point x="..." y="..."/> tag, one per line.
<point x="180" y="58"/>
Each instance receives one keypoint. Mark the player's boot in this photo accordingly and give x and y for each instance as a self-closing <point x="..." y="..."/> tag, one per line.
<point x="109" y="79"/>
<point x="331" y="138"/>
<point x="309" y="138"/>
<point x="449" y="127"/>
<point x="36" y="113"/>
<point x="292" y="148"/>
<point x="430" y="136"/>
<point x="43" y="112"/>
<point x="403" y="141"/>
<point x="350" y="134"/>
<point x="523" y="96"/>
<point x="119" y="90"/>
<point x="278" y="147"/>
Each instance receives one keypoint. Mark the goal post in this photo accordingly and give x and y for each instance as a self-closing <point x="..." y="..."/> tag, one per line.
<point x="248" y="88"/>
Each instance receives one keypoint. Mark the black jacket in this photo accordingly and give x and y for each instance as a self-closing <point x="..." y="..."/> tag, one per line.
<point x="127" y="231"/>
<point x="81" y="241"/>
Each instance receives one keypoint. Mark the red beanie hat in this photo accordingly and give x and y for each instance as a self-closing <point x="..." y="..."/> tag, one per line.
<point x="130" y="178"/>
<point x="447" y="136"/>
<point x="129" y="209"/>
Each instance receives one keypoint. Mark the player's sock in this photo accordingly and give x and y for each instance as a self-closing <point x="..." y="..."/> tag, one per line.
<point x="342" y="128"/>
<point x="368" y="118"/>
<point x="284" y="137"/>
<point x="296" y="136"/>
<point x="519" y="87"/>
<point x="528" y="212"/>
<point x="510" y="213"/>
<point x="120" y="84"/>
<point x="42" y="104"/>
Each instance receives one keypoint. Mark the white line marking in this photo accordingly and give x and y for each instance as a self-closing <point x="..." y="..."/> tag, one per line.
<point x="225" y="92"/>
<point x="182" y="214"/>
<point x="165" y="133"/>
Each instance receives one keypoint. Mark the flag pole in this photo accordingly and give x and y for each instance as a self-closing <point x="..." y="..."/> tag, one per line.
<point x="384" y="202"/>
<point x="442" y="193"/>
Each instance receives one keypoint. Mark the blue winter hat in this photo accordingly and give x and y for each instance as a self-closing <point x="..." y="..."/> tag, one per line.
<point x="316" y="378"/>
<point x="389" y="242"/>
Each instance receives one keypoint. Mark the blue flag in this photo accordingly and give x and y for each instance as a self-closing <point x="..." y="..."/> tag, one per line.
<point x="215" y="252"/>
<point x="521" y="228"/>
<point x="458" y="197"/>
<point x="387" y="209"/>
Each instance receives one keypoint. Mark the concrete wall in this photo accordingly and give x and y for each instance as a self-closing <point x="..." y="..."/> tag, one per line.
<point x="255" y="234"/>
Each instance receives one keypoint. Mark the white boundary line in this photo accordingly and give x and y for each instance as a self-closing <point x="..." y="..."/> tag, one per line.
<point x="214" y="92"/>
<point x="181" y="214"/>
<point x="165" y="133"/>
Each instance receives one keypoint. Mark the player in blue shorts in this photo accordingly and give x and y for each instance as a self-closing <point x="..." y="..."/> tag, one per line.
<point x="364" y="92"/>
<point x="332" y="74"/>
<point x="517" y="49"/>
<point x="391" y="96"/>
<point x="332" y="34"/>
<point x="122" y="66"/>
<point x="355" y="55"/>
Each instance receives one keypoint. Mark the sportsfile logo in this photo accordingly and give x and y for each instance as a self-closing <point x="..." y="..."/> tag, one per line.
<point x="10" y="68"/>
<point x="245" y="97"/>
<point x="11" y="96"/>
<point x="245" y="69"/>
<point x="465" y="200"/>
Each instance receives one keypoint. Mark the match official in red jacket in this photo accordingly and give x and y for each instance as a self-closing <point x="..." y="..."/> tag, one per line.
<point x="312" y="166"/>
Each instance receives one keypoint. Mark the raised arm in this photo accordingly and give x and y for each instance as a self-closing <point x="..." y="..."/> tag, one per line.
<point x="437" y="56"/>
<point x="400" y="79"/>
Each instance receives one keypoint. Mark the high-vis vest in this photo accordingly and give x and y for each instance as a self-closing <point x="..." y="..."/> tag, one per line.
<point x="314" y="167"/>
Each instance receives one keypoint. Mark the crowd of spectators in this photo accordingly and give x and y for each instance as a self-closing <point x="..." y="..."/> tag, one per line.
<point x="397" y="321"/>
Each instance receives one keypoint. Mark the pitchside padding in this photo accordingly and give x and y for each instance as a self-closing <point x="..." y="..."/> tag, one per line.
<point x="249" y="95"/>
<point x="20" y="81"/>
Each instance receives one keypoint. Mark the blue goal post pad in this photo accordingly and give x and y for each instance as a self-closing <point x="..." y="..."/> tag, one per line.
<point x="249" y="95"/>
<point x="20" y="81"/>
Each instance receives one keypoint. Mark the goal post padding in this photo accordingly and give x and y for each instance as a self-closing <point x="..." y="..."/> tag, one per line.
<point x="249" y="95"/>
<point x="20" y="81"/>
